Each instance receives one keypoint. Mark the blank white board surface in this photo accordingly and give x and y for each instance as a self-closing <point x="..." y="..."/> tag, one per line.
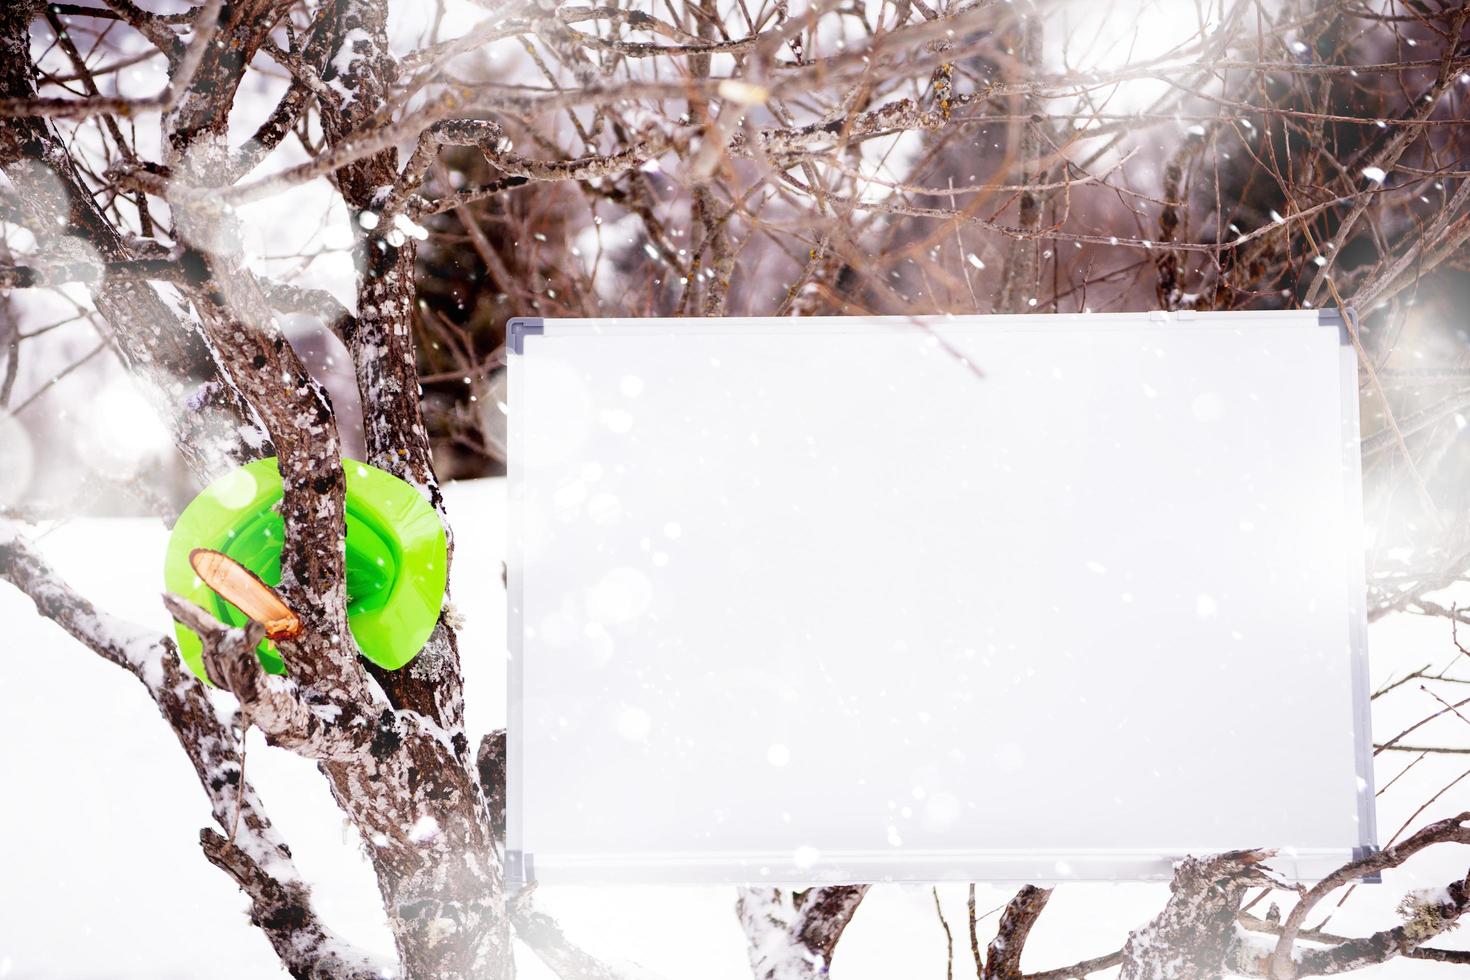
<point x="976" y="598"/>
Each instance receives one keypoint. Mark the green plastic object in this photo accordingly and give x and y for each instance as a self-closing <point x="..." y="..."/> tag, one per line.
<point x="396" y="558"/>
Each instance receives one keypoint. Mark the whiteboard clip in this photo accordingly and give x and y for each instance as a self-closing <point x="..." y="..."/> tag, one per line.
<point x="518" y="328"/>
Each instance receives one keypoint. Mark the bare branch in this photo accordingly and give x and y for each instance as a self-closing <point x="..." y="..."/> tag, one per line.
<point x="1280" y="964"/>
<point x="1003" y="956"/>
<point x="172" y="93"/>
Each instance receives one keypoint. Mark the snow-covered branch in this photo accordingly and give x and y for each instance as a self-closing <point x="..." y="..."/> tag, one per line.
<point x="282" y="909"/>
<point x="245" y="842"/>
<point x="546" y="939"/>
<point x="791" y="935"/>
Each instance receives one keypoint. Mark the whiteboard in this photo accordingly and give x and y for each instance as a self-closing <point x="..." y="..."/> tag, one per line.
<point x="934" y="599"/>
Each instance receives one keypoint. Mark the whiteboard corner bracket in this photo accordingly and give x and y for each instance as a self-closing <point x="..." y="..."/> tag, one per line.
<point x="1361" y="853"/>
<point x="518" y="328"/>
<point x="1331" y="316"/>
<point x="520" y="871"/>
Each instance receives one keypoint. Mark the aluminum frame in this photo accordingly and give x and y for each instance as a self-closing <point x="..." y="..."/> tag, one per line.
<point x="525" y="335"/>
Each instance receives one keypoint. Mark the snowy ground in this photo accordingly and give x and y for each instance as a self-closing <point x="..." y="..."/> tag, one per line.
<point x="101" y="874"/>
